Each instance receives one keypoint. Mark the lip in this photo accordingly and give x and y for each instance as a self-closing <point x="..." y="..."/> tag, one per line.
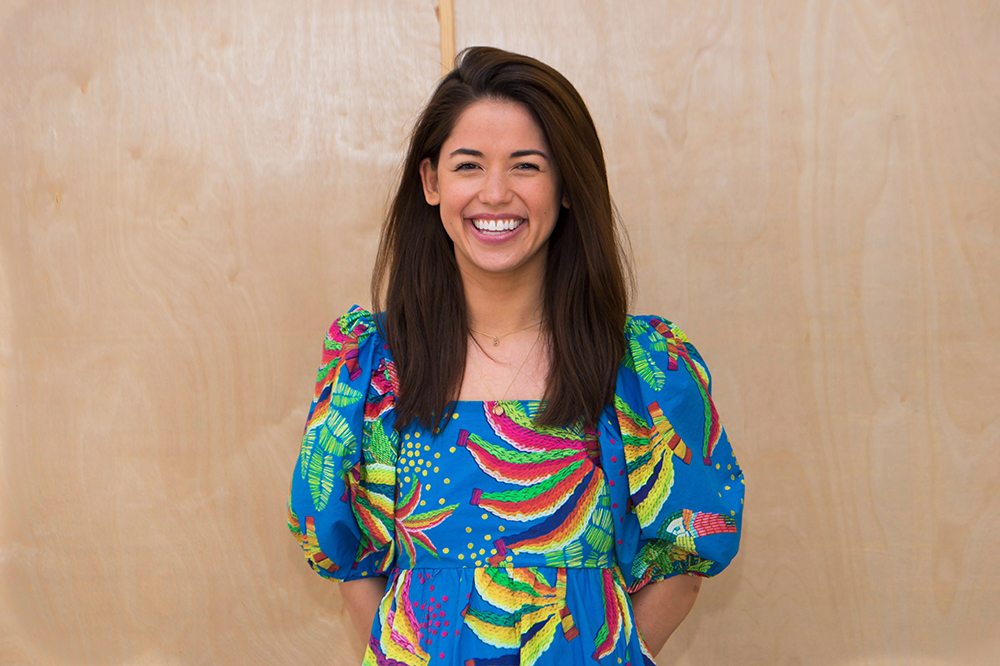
<point x="494" y="238"/>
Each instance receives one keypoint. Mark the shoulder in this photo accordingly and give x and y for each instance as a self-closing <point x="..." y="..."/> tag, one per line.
<point x="355" y="324"/>
<point x="653" y="329"/>
<point x="353" y="339"/>
<point x="664" y="376"/>
<point x="653" y="341"/>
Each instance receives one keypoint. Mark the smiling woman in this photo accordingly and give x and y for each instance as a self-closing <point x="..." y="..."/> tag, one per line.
<point x="498" y="191"/>
<point x="475" y="146"/>
<point x="562" y="521"/>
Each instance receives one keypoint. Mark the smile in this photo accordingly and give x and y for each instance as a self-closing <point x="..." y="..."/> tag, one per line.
<point x="497" y="226"/>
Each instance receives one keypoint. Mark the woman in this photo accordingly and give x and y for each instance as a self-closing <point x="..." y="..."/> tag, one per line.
<point x="504" y="467"/>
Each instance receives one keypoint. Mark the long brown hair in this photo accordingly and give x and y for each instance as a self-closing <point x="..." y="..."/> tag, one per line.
<point x="587" y="274"/>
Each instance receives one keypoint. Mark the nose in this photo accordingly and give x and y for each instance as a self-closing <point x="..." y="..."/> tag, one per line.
<point x="495" y="190"/>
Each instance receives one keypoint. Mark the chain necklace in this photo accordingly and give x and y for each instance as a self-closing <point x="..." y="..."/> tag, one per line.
<point x="496" y="338"/>
<point x="497" y="407"/>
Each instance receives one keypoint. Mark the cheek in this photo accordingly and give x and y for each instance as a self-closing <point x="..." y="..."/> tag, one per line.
<point x="546" y="194"/>
<point x="454" y="199"/>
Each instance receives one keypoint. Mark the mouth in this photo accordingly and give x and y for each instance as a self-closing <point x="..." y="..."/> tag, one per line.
<point x="497" y="227"/>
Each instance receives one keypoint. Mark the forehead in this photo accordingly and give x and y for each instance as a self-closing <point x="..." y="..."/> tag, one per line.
<point x="498" y="124"/>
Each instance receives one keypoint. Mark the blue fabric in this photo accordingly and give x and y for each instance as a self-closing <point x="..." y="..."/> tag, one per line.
<point x="505" y="542"/>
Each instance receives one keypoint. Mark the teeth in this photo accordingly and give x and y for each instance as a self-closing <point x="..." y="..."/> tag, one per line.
<point x="496" y="225"/>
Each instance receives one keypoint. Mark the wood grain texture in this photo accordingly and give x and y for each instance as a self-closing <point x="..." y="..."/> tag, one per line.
<point x="192" y="191"/>
<point x="446" y="17"/>
<point x="813" y="193"/>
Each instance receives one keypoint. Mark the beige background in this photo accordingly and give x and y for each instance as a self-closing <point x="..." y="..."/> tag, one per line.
<point x="191" y="191"/>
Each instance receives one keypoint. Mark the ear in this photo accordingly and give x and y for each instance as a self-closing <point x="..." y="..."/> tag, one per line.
<point x="429" y="177"/>
<point x="565" y="200"/>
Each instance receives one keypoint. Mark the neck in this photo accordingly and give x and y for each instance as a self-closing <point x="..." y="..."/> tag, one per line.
<point x="499" y="304"/>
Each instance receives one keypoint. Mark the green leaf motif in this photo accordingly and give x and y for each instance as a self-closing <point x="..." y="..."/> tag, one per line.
<point x="431" y="515"/>
<point x="626" y="409"/>
<point x="334" y="435"/>
<point x="322" y="471"/>
<point x="343" y="395"/>
<point x="305" y="455"/>
<point x="657" y="342"/>
<point x="645" y="367"/>
<point x="378" y="445"/>
<point x="600" y="530"/>
<point x="572" y="556"/>
<point x="634" y="328"/>
<point x="528" y="493"/>
<point x="526" y="419"/>
<point x="326" y="451"/>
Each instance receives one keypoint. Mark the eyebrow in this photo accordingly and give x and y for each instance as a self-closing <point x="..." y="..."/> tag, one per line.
<point x="516" y="153"/>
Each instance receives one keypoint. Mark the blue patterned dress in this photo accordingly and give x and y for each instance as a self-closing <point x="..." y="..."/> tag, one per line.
<point x="506" y="543"/>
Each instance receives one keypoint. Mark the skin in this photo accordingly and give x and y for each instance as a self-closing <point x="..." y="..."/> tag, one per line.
<point x="659" y="608"/>
<point x="497" y="164"/>
<point x="361" y="599"/>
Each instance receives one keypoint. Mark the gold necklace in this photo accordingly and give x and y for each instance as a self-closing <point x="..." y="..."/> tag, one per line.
<point x="496" y="338"/>
<point x="497" y="407"/>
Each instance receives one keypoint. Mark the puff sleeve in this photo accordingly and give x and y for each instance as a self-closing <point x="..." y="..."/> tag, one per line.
<point x="685" y="487"/>
<point x="341" y="503"/>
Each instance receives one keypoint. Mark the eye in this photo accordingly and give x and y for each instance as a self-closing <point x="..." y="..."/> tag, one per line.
<point x="527" y="166"/>
<point x="466" y="166"/>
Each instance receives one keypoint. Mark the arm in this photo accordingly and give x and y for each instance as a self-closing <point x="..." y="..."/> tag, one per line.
<point x="361" y="599"/>
<point x="659" y="608"/>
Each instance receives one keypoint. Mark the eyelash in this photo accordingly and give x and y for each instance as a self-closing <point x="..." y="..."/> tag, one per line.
<point x="523" y="166"/>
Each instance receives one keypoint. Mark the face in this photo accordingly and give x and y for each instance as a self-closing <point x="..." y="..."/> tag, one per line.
<point x="498" y="189"/>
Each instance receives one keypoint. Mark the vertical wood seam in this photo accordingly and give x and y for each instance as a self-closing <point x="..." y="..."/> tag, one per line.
<point x="446" y="17"/>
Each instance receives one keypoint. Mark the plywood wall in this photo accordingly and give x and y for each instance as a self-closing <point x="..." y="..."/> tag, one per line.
<point x="191" y="192"/>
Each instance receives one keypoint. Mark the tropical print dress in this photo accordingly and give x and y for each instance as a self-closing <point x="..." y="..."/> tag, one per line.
<point x="502" y="542"/>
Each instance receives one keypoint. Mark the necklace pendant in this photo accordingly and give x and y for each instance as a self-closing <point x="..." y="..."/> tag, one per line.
<point x="498" y="409"/>
<point x="496" y="341"/>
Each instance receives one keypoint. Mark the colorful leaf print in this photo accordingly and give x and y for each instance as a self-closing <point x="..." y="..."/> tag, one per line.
<point x="547" y="481"/>
<point x="341" y="347"/>
<point x="650" y="463"/>
<point x="681" y="527"/>
<point x="599" y="536"/>
<point x="518" y="558"/>
<point x="617" y="615"/>
<point x="516" y="425"/>
<point x="326" y="448"/>
<point x="556" y="471"/>
<point x="638" y="359"/>
<point x="658" y="559"/>
<point x="410" y="527"/>
<point x="327" y="435"/>
<point x="663" y="431"/>
<point x="532" y="611"/>
<point x="343" y="395"/>
<point x="679" y="347"/>
<point x="378" y="444"/>
<point x="374" y="484"/>
<point x="567" y="523"/>
<point x="370" y="491"/>
<point x="399" y="641"/>
<point x="600" y="532"/>
<point x="320" y="563"/>
<point x="673" y="551"/>
<point x="382" y="391"/>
